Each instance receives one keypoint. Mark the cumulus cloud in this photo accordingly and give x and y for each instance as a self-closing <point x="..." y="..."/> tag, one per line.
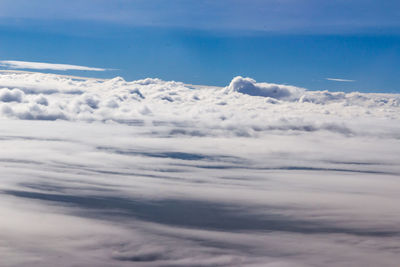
<point x="42" y="101"/>
<point x="13" y="64"/>
<point x="244" y="107"/>
<point x="250" y="87"/>
<point x="7" y="95"/>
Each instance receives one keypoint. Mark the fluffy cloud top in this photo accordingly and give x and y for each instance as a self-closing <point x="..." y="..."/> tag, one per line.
<point x="7" y="95"/>
<point x="250" y="87"/>
<point x="245" y="106"/>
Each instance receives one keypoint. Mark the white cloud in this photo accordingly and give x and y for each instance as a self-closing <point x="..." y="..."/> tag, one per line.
<point x="339" y="80"/>
<point x="13" y="64"/>
<point x="245" y="106"/>
<point x="278" y="91"/>
<point x="7" y="95"/>
<point x="167" y="174"/>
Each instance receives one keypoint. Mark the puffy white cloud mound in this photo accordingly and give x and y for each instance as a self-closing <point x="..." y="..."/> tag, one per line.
<point x="251" y="87"/>
<point x="244" y="108"/>
<point x="7" y="95"/>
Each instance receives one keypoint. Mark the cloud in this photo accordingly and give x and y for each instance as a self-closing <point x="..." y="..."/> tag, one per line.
<point x="250" y="87"/>
<point x="160" y="173"/>
<point x="7" y="95"/>
<point x="148" y="202"/>
<point x="13" y="64"/>
<point x="47" y="96"/>
<point x="339" y="80"/>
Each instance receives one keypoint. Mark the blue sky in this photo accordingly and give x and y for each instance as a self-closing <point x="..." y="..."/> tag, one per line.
<point x="208" y="42"/>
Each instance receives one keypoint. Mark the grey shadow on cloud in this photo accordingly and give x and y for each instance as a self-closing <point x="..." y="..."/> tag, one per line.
<point x="174" y="155"/>
<point x="197" y="214"/>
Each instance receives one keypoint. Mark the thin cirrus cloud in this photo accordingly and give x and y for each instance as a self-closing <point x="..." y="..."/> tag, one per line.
<point x="339" y="80"/>
<point x="13" y="64"/>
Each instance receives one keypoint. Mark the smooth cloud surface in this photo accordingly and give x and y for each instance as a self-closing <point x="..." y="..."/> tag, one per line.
<point x="160" y="173"/>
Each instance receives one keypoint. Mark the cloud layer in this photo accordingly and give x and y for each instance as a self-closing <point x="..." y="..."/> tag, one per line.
<point x="159" y="173"/>
<point x="245" y="107"/>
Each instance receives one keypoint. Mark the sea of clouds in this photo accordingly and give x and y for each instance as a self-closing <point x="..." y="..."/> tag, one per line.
<point x="160" y="173"/>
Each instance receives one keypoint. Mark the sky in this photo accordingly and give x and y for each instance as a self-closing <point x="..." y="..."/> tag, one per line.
<point x="319" y="45"/>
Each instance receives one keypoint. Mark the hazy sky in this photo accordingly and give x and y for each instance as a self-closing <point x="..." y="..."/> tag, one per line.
<point x="209" y="42"/>
<point x="275" y="15"/>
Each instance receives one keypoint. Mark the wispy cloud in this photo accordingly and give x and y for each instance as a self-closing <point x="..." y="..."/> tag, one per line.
<point x="13" y="64"/>
<point x="339" y="80"/>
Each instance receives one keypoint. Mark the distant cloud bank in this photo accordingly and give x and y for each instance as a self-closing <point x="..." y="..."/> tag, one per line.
<point x="243" y="104"/>
<point x="14" y="64"/>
